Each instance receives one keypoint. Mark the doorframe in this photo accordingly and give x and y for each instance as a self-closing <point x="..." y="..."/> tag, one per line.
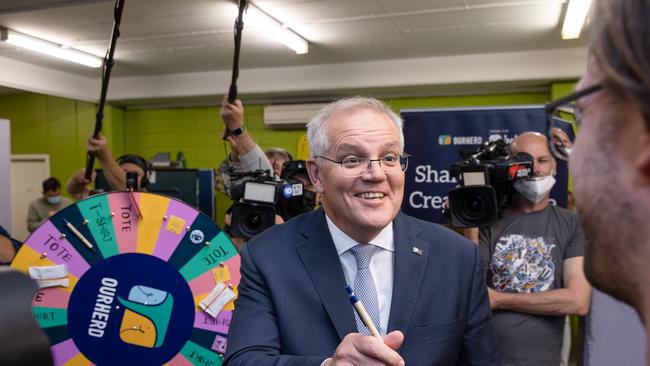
<point x="17" y="158"/>
<point x="33" y="157"/>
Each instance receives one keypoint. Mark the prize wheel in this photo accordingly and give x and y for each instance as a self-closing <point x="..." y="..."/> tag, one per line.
<point x="132" y="279"/>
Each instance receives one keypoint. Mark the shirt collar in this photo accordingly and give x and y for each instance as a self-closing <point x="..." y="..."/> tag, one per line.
<point x="343" y="242"/>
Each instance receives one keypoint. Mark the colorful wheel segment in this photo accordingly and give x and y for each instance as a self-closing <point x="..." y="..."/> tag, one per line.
<point x="147" y="280"/>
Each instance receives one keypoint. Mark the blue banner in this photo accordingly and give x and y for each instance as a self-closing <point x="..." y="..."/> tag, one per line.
<point x="434" y="137"/>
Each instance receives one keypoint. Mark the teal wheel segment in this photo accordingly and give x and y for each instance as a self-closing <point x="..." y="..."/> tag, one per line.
<point x="98" y="219"/>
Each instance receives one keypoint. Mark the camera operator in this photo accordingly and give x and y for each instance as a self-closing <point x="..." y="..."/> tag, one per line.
<point x="246" y="158"/>
<point x="261" y="201"/>
<point x="263" y="174"/>
<point x="534" y="256"/>
<point x="295" y="171"/>
<point x="115" y="170"/>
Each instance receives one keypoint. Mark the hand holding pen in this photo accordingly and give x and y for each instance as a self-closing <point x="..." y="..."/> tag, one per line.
<point x="363" y="314"/>
<point x="359" y="349"/>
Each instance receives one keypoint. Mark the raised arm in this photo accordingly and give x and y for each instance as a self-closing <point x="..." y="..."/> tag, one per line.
<point x="78" y="186"/>
<point x="115" y="176"/>
<point x="232" y="115"/>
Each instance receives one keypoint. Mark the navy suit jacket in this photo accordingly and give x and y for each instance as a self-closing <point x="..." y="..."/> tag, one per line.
<point x="293" y="309"/>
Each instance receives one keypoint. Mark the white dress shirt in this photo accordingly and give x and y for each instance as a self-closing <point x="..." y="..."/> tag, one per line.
<point x="381" y="266"/>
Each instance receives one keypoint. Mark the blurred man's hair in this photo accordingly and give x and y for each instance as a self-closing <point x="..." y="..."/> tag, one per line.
<point x="620" y="44"/>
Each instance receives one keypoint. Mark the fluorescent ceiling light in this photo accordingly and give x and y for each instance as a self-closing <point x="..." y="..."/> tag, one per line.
<point x="574" y="18"/>
<point x="50" y="48"/>
<point x="277" y="30"/>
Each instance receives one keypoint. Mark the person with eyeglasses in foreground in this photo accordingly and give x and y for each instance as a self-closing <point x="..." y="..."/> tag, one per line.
<point x="422" y="285"/>
<point x="610" y="159"/>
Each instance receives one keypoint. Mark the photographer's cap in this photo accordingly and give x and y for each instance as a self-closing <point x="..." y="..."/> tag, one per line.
<point x="133" y="159"/>
<point x="279" y="152"/>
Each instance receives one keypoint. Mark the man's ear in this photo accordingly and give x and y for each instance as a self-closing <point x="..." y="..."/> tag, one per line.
<point x="643" y="161"/>
<point x="314" y="172"/>
<point x="554" y="169"/>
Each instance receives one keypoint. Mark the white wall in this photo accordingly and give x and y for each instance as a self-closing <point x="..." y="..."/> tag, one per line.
<point x="5" y="174"/>
<point x="614" y="334"/>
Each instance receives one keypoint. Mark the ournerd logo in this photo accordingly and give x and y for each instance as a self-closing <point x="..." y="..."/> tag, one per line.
<point x="444" y="140"/>
<point x="459" y="140"/>
<point x="102" y="307"/>
<point x="146" y="317"/>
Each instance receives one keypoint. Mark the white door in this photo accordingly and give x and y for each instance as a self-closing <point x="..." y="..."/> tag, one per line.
<point x="27" y="175"/>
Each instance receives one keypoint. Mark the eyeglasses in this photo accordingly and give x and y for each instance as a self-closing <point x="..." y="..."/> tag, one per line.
<point x="563" y="121"/>
<point x="353" y="167"/>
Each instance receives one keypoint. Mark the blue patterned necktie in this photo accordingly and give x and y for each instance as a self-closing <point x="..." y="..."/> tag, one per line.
<point x="364" y="284"/>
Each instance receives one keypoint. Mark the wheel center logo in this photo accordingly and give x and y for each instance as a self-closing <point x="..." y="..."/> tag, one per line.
<point x="121" y="311"/>
<point x="146" y="317"/>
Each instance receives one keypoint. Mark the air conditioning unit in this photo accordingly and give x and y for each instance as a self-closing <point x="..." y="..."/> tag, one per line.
<point x="290" y="116"/>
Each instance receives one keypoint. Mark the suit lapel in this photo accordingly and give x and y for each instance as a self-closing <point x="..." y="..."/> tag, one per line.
<point x="411" y="256"/>
<point x="319" y="256"/>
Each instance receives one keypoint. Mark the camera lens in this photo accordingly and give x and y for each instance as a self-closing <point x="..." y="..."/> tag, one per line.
<point x="254" y="221"/>
<point x="249" y="219"/>
<point x="473" y="206"/>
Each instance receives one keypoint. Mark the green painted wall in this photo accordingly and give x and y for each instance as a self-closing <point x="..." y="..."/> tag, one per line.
<point x="467" y="101"/>
<point x="197" y="131"/>
<point x="59" y="127"/>
<point x="560" y="89"/>
<point x="42" y="124"/>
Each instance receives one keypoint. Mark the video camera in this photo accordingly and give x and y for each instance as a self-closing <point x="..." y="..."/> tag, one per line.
<point x="259" y="198"/>
<point x="487" y="177"/>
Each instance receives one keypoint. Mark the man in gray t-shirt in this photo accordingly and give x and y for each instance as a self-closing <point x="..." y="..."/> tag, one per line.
<point x="533" y="256"/>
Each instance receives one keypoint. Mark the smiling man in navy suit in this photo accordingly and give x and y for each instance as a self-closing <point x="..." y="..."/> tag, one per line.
<point x="422" y="285"/>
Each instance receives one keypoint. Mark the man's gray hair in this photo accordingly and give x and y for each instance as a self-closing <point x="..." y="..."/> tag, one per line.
<point x="319" y="142"/>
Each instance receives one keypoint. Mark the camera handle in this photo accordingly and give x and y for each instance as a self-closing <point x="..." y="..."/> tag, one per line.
<point x="131" y="181"/>
<point x="132" y="186"/>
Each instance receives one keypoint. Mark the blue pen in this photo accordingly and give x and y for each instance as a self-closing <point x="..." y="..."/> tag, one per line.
<point x="363" y="314"/>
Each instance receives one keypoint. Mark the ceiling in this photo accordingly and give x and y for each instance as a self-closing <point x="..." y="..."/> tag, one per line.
<point x="180" y="52"/>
